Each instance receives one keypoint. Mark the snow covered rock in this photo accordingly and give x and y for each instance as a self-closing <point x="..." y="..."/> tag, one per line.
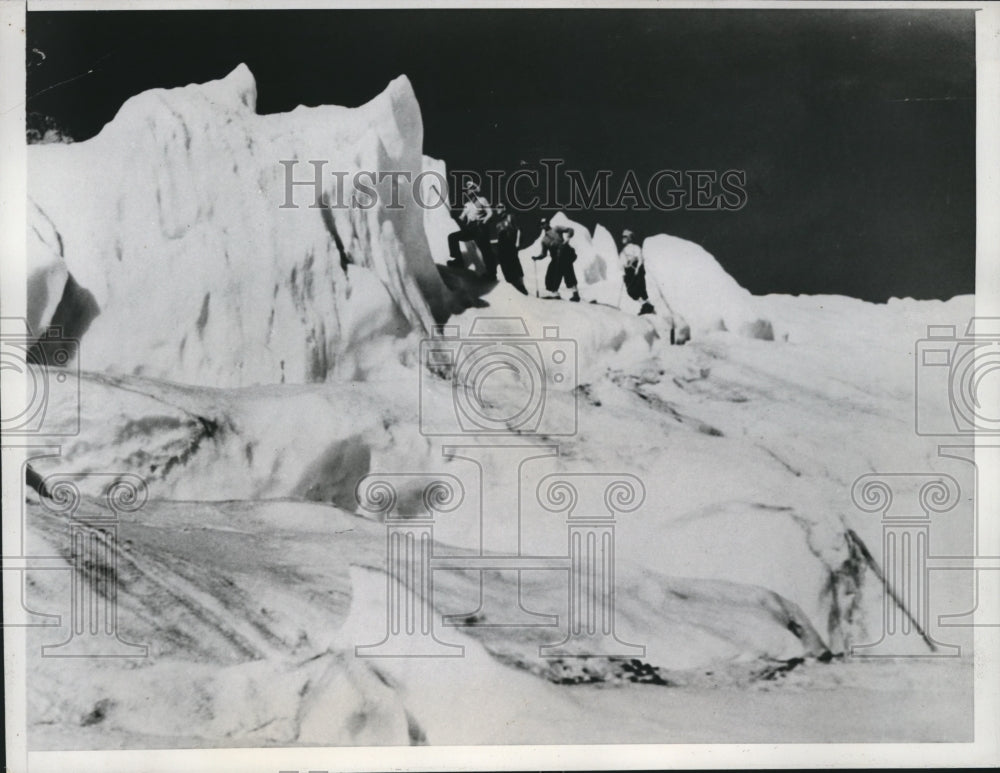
<point x="173" y="219"/>
<point x="699" y="289"/>
<point x="606" y="248"/>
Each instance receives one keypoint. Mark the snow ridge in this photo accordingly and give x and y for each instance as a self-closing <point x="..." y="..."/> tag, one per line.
<point x="176" y="227"/>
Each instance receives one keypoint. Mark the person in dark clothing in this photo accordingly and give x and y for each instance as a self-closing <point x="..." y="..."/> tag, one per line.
<point x="504" y="243"/>
<point x="552" y="237"/>
<point x="635" y="271"/>
<point x="561" y="263"/>
<point x="473" y="227"/>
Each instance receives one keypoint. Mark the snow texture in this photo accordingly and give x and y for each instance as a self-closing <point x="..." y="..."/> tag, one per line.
<point x="172" y="219"/>
<point x="252" y="363"/>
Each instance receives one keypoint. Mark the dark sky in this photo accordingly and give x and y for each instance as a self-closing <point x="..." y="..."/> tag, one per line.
<point x="856" y="129"/>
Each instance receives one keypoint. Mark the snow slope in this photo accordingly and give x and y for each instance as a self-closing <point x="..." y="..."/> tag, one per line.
<point x="251" y="643"/>
<point x="252" y="364"/>
<point x="735" y="575"/>
<point x="747" y="450"/>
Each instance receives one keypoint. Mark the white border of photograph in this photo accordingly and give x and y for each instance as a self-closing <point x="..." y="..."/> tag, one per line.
<point x="984" y="751"/>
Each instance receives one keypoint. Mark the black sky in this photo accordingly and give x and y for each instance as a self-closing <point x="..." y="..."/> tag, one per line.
<point x="856" y="128"/>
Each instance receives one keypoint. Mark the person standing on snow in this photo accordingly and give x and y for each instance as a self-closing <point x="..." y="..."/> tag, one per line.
<point x="561" y="263"/>
<point x="635" y="271"/>
<point x="504" y="243"/>
<point x="552" y="238"/>
<point x="473" y="227"/>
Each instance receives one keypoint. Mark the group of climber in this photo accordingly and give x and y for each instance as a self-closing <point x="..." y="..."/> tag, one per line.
<point x="495" y="234"/>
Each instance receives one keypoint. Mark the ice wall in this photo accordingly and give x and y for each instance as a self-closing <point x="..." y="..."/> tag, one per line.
<point x="172" y="218"/>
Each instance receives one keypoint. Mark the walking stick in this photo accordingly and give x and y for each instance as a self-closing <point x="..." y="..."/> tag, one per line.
<point x="534" y="264"/>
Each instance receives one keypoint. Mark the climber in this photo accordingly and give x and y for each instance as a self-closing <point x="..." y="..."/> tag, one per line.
<point x="556" y="242"/>
<point x="551" y="238"/>
<point x="472" y="223"/>
<point x="635" y="271"/>
<point x="504" y="244"/>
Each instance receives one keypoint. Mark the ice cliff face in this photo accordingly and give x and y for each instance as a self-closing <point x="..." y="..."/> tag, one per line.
<point x="186" y="265"/>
